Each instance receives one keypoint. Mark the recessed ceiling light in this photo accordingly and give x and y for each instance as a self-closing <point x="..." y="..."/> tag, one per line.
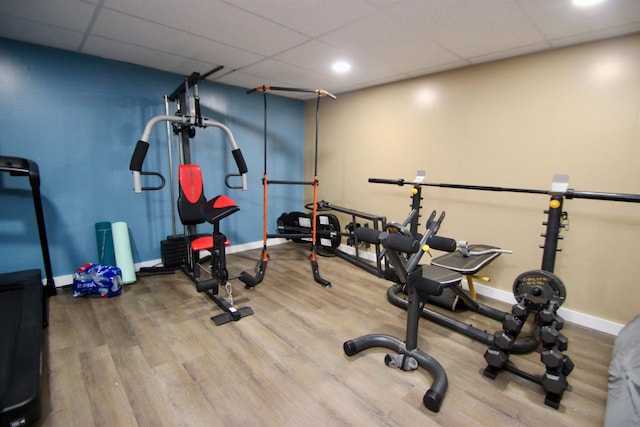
<point x="586" y="3"/>
<point x="341" y="66"/>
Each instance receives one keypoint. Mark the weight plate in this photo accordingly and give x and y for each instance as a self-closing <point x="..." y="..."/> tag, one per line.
<point x="539" y="287"/>
<point x="396" y="227"/>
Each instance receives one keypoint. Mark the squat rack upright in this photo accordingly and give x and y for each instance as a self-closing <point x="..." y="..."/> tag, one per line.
<point x="249" y="280"/>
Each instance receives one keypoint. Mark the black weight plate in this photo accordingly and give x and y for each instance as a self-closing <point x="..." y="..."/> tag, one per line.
<point x="396" y="227"/>
<point x="539" y="287"/>
<point x="328" y="231"/>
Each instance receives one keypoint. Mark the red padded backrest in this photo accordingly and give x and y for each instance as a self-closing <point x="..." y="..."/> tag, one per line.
<point x="191" y="194"/>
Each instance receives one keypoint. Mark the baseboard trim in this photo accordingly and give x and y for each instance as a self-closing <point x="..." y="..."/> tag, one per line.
<point x="572" y="316"/>
<point x="67" y="279"/>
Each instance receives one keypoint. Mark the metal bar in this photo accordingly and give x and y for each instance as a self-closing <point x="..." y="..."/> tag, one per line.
<point x="215" y="70"/>
<point x="171" y="178"/>
<point x="323" y="204"/>
<point x="593" y="195"/>
<point x="275" y="181"/>
<point x="265" y="88"/>
<point x="569" y="193"/>
<point x="290" y="236"/>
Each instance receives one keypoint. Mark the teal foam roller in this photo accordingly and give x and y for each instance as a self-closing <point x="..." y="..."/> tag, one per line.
<point x="124" y="256"/>
<point x="104" y="239"/>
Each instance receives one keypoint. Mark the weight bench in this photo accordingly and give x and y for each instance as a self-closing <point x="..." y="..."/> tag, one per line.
<point x="468" y="261"/>
<point x="420" y="281"/>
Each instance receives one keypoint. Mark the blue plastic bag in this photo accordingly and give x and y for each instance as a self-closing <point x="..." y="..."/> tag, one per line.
<point x="104" y="280"/>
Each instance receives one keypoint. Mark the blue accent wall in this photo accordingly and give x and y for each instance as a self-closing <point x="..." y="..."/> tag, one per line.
<point x="79" y="117"/>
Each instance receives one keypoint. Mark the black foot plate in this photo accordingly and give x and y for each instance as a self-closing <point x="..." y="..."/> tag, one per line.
<point x="236" y="315"/>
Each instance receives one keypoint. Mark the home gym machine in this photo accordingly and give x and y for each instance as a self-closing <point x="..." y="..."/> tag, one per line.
<point x="537" y="292"/>
<point x="421" y="281"/>
<point x="24" y="312"/>
<point x="193" y="208"/>
<point x="251" y="281"/>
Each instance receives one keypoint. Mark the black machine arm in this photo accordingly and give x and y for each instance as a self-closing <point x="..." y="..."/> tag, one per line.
<point x="188" y="116"/>
<point x="135" y="165"/>
<point x="140" y="152"/>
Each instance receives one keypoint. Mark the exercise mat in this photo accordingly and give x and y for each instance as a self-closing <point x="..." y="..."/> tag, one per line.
<point x="122" y="247"/>
<point x="104" y="239"/>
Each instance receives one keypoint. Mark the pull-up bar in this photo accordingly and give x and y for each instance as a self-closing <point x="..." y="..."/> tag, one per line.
<point x="249" y="280"/>
<point x="266" y="88"/>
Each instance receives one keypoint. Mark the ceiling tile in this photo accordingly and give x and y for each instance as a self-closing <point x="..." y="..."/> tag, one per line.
<point x="470" y="28"/>
<point x="287" y="74"/>
<point x="509" y="53"/>
<point x="116" y="26"/>
<point x="310" y="17"/>
<point x="135" y="54"/>
<point x="69" y="14"/>
<point x="601" y="34"/>
<point x="43" y="34"/>
<point x="317" y="57"/>
<point x="314" y="56"/>
<point x="390" y="44"/>
<point x="214" y="20"/>
<point x="439" y="68"/>
<point x="558" y="19"/>
<point x="294" y="42"/>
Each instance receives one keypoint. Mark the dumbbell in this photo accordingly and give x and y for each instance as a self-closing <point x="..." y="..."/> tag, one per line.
<point x="519" y="310"/>
<point x="552" y="358"/>
<point x="554" y="383"/>
<point x="567" y="365"/>
<point x="495" y="358"/>
<point x="503" y="340"/>
<point x="549" y="336"/>
<point x="512" y="323"/>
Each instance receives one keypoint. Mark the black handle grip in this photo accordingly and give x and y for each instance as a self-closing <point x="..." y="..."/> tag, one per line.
<point x="398" y="242"/>
<point x="366" y="234"/>
<point x="138" y="156"/>
<point x="399" y="182"/>
<point x="237" y="156"/>
<point x="157" y="187"/>
<point x="442" y="243"/>
<point x="248" y="280"/>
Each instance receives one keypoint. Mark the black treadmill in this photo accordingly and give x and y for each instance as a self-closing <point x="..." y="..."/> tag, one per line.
<point x="24" y="312"/>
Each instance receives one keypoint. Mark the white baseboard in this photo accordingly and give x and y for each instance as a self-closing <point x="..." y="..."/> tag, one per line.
<point x="572" y="316"/>
<point x="254" y="245"/>
<point x="61" y="281"/>
<point x="67" y="279"/>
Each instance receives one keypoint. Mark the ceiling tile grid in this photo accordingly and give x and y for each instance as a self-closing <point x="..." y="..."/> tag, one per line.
<point x="294" y="42"/>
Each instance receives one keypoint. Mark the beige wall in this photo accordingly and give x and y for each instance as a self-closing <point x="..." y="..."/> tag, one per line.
<point x="511" y="123"/>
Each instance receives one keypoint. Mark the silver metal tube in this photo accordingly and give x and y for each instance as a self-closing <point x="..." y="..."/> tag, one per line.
<point x="171" y="176"/>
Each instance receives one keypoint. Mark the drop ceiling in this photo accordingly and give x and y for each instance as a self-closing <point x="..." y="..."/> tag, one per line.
<point x="293" y="43"/>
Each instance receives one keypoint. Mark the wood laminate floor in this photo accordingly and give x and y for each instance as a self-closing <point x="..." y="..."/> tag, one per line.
<point x="153" y="357"/>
